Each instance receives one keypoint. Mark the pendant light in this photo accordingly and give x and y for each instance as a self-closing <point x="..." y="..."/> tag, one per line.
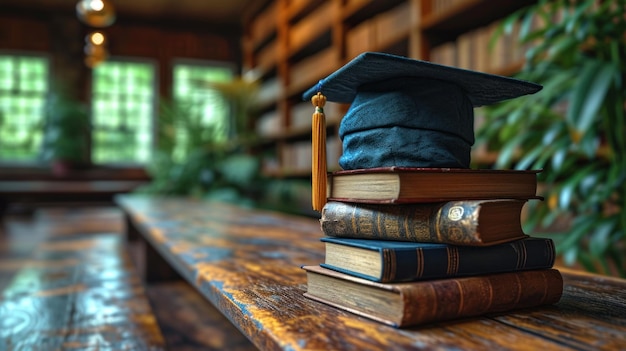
<point x="96" y="13"/>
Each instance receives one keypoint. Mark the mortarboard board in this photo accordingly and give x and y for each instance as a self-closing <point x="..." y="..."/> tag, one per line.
<point x="409" y="113"/>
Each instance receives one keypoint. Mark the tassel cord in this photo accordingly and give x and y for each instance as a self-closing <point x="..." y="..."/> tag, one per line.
<point x="318" y="166"/>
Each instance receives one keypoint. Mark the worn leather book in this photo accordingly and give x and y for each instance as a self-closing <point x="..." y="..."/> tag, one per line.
<point x="409" y="304"/>
<point x="467" y="222"/>
<point x="406" y="185"/>
<point x="396" y="261"/>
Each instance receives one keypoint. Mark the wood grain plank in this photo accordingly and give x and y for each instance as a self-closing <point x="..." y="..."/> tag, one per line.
<point x="590" y="316"/>
<point x="78" y="292"/>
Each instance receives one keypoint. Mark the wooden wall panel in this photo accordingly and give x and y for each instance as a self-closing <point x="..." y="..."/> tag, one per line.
<point x="61" y="35"/>
<point x="28" y="34"/>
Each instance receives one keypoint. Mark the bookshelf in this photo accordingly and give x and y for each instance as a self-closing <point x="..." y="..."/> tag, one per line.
<point x="291" y="44"/>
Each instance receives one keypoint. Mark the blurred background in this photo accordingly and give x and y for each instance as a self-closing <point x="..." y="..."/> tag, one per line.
<point x="203" y="99"/>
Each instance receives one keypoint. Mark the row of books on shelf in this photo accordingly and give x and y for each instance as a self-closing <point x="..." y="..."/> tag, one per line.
<point x="481" y="50"/>
<point x="298" y="155"/>
<point x="379" y="31"/>
<point x="269" y="124"/>
<point x="441" y="6"/>
<point x="449" y="244"/>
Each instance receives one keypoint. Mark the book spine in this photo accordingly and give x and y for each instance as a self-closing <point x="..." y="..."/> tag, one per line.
<point x="456" y="261"/>
<point x="453" y="222"/>
<point x="447" y="299"/>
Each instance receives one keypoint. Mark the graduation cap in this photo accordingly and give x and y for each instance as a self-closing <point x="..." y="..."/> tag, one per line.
<point x="404" y="112"/>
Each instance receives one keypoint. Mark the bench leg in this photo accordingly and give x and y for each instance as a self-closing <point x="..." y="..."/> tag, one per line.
<point x="150" y="265"/>
<point x="132" y="233"/>
<point x="157" y="268"/>
<point x="4" y="206"/>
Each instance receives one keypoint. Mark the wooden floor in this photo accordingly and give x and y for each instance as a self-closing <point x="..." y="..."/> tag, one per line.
<point x="186" y="319"/>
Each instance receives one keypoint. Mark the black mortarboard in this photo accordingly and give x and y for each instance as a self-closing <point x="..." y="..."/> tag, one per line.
<point x="409" y="113"/>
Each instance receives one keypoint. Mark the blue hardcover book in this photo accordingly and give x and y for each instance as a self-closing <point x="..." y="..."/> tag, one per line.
<point x="397" y="261"/>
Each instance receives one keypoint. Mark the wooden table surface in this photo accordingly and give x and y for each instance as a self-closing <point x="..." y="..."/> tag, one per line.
<point x="77" y="292"/>
<point x="247" y="263"/>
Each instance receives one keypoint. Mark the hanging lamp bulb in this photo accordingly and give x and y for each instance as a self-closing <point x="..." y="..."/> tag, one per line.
<point x="96" y="38"/>
<point x="95" y="49"/>
<point x="96" y="13"/>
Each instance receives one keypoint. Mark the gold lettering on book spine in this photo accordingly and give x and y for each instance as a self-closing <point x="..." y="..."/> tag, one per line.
<point x="352" y="217"/>
<point x="393" y="226"/>
<point x="365" y="221"/>
<point x="421" y="227"/>
<point x="407" y="227"/>
<point x="380" y="224"/>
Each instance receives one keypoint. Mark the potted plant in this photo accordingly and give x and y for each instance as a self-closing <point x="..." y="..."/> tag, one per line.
<point x="574" y="129"/>
<point x="65" y="144"/>
<point x="210" y="161"/>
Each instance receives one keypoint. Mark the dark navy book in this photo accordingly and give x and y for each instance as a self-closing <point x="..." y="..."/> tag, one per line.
<point x="397" y="261"/>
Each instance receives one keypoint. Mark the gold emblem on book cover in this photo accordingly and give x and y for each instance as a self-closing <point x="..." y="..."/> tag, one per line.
<point x="455" y="213"/>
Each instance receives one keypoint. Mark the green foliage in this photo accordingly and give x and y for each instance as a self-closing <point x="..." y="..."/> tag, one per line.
<point x="66" y="130"/>
<point x="574" y="129"/>
<point x="194" y="158"/>
<point x="241" y="94"/>
<point x="14" y="143"/>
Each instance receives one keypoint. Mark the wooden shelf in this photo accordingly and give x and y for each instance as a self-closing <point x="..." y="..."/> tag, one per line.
<point x="307" y="72"/>
<point x="298" y="133"/>
<point x="357" y="11"/>
<point x="306" y="40"/>
<point x="263" y="28"/>
<point x="466" y="15"/>
<point x="296" y="10"/>
<point x="312" y="32"/>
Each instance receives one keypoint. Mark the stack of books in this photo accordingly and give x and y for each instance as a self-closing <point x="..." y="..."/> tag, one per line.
<point x="408" y="246"/>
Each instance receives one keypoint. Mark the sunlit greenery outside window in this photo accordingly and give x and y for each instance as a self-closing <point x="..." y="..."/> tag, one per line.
<point x="206" y="112"/>
<point x="24" y="84"/>
<point x="123" y="106"/>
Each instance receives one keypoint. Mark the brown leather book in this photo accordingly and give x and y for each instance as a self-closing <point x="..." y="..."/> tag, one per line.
<point x="406" y="185"/>
<point x="469" y="222"/>
<point x="409" y="304"/>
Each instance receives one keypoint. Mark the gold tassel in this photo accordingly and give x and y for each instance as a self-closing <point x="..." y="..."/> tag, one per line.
<point x="318" y="166"/>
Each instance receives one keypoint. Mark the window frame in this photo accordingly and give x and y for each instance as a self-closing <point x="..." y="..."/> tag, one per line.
<point x="194" y="62"/>
<point x="35" y="162"/>
<point x="158" y="77"/>
<point x="154" y="103"/>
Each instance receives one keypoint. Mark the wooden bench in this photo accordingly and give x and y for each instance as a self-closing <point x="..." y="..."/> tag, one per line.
<point x="78" y="292"/>
<point x="247" y="263"/>
<point x="31" y="187"/>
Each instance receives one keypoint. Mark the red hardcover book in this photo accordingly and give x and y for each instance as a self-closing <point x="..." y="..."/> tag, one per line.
<point x="407" y="185"/>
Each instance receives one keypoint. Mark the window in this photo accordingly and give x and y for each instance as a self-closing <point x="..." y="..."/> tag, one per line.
<point x="122" y="108"/>
<point x="204" y="108"/>
<point x="24" y="82"/>
<point x="123" y="101"/>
